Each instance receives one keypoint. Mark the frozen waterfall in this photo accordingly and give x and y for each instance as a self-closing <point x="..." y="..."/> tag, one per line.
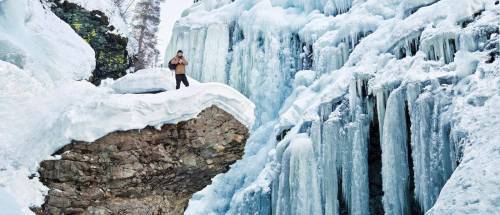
<point x="371" y="128"/>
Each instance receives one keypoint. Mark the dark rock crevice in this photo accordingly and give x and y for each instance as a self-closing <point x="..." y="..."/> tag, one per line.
<point x="146" y="171"/>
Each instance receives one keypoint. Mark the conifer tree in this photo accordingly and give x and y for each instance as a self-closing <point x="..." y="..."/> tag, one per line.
<point x="145" y="28"/>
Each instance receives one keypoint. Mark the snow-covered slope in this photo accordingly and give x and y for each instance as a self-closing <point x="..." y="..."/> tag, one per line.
<point x="80" y="111"/>
<point x="398" y="106"/>
<point x="44" y="104"/>
<point x="36" y="40"/>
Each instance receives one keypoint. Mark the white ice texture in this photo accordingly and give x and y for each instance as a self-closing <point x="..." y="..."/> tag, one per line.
<point x="45" y="101"/>
<point x="361" y="106"/>
<point x="389" y="97"/>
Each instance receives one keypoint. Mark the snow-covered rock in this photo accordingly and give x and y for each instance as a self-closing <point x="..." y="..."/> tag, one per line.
<point x="147" y="81"/>
<point x="157" y="170"/>
<point x="40" y="122"/>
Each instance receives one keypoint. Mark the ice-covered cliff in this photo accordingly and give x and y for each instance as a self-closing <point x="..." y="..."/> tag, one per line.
<point x="363" y="107"/>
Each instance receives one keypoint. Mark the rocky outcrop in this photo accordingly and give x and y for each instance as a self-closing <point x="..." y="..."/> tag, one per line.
<point x="111" y="54"/>
<point x="146" y="171"/>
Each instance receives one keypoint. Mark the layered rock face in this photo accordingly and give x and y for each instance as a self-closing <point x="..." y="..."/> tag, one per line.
<point x="147" y="171"/>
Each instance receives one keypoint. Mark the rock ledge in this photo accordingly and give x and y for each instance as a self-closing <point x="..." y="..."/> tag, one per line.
<point x="145" y="171"/>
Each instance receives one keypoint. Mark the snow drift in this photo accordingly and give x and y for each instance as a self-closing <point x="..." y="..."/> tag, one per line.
<point x="44" y="104"/>
<point x="80" y="111"/>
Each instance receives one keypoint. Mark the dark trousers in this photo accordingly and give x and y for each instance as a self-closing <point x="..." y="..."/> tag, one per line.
<point x="181" y="78"/>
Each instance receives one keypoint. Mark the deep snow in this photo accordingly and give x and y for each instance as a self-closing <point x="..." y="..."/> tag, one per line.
<point x="80" y="111"/>
<point x="45" y="103"/>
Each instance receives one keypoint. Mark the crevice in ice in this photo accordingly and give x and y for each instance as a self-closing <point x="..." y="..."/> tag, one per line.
<point x="343" y="206"/>
<point x="492" y="56"/>
<point x="375" y="166"/>
<point x="441" y="47"/>
<point x="306" y="127"/>
<point x="413" y="206"/>
<point x="408" y="46"/>
<point x="337" y="7"/>
<point x="261" y="41"/>
<point x="307" y="56"/>
<point x="282" y="134"/>
<point x="465" y="22"/>
<point x="303" y="51"/>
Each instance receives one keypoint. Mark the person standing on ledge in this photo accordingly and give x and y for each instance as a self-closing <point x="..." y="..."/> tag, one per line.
<point x="179" y="63"/>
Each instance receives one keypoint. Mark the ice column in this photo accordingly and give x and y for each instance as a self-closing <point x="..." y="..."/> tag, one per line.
<point x="359" y="184"/>
<point x="433" y="154"/>
<point x="355" y="149"/>
<point x="394" y="155"/>
<point x="298" y="190"/>
<point x="215" y="54"/>
<point x="257" y="201"/>
<point x="332" y="140"/>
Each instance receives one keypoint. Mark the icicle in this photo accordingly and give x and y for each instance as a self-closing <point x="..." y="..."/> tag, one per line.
<point x="316" y="135"/>
<point x="316" y="128"/>
<point x="298" y="190"/>
<point x="341" y="6"/>
<point x="394" y="156"/>
<point x="332" y="137"/>
<point x="408" y="46"/>
<point x="329" y="7"/>
<point x="421" y="129"/>
<point x="440" y="47"/>
<point x="347" y="167"/>
<point x="214" y="54"/>
<point x="259" y="64"/>
<point x="359" y="184"/>
<point x="255" y="202"/>
<point x="330" y="55"/>
<point x="355" y="149"/>
<point x="433" y="155"/>
<point x="381" y="98"/>
<point x="262" y="67"/>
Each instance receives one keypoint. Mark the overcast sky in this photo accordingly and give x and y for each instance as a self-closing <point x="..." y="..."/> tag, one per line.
<point x="171" y="11"/>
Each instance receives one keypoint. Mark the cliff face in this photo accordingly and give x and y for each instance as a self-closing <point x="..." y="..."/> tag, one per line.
<point x="145" y="171"/>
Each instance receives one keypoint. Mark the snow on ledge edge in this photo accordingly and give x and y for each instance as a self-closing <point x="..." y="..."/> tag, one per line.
<point x="121" y="112"/>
